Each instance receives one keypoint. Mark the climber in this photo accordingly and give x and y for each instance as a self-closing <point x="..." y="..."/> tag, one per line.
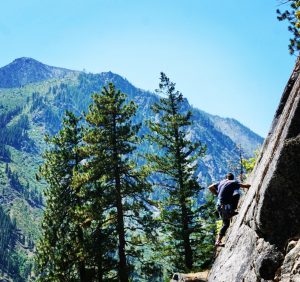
<point x="228" y="193"/>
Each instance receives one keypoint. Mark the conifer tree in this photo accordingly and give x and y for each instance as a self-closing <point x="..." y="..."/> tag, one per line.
<point x="292" y="15"/>
<point x="100" y="239"/>
<point x="60" y="251"/>
<point x="176" y="162"/>
<point x="111" y="141"/>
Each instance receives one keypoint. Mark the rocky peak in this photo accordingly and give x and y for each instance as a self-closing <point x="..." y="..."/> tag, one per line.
<point x="264" y="241"/>
<point x="27" y="70"/>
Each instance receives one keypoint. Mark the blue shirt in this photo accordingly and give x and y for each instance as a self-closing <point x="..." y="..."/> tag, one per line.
<point x="225" y="189"/>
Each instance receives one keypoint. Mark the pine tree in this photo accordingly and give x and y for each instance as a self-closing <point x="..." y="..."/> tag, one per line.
<point x="111" y="140"/>
<point x="176" y="162"/>
<point x="100" y="234"/>
<point x="60" y="251"/>
<point x="292" y="15"/>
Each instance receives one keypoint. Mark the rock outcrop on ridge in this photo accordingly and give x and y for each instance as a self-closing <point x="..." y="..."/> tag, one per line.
<point x="263" y="243"/>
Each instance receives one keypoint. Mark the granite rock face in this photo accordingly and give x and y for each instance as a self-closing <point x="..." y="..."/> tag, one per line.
<point x="263" y="243"/>
<point x="290" y="269"/>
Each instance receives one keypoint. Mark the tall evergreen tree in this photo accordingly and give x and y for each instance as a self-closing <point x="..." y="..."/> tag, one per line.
<point x="60" y="252"/>
<point x="111" y="141"/>
<point x="176" y="162"/>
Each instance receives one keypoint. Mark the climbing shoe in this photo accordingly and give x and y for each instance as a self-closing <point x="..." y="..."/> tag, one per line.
<point x="218" y="243"/>
<point x="234" y="213"/>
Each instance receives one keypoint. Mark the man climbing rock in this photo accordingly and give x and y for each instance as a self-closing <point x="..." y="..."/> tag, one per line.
<point x="228" y="195"/>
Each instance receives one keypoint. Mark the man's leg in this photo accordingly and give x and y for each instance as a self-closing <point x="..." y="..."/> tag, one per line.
<point x="226" y="223"/>
<point x="235" y="201"/>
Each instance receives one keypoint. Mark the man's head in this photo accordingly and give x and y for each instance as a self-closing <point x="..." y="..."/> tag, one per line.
<point x="229" y="176"/>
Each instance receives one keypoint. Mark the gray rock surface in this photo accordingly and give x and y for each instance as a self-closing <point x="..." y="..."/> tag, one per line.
<point x="290" y="269"/>
<point x="258" y="244"/>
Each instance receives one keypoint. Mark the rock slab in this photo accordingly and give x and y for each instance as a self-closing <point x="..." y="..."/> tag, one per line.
<point x="263" y="243"/>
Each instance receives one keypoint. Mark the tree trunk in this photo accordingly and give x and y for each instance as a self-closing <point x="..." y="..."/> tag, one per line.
<point x="81" y="265"/>
<point x="123" y="270"/>
<point x="100" y="272"/>
<point x="99" y="258"/>
<point x="82" y="272"/>
<point x="188" y="252"/>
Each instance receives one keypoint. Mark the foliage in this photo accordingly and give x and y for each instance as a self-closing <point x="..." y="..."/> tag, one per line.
<point x="60" y="250"/>
<point x="97" y="219"/>
<point x="8" y="136"/>
<point x="292" y="15"/>
<point x="176" y="161"/>
<point x="249" y="164"/>
<point x="43" y="105"/>
<point x="7" y="237"/>
<point x="12" y="262"/>
<point x="111" y="140"/>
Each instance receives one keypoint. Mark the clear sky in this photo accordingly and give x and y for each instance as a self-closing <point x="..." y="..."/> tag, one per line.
<point x="228" y="57"/>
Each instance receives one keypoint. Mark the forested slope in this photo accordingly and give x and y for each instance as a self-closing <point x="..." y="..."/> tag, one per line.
<point x="32" y="107"/>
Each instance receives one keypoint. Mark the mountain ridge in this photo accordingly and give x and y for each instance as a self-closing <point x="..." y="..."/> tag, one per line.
<point x="226" y="124"/>
<point x="80" y="85"/>
<point x="26" y="70"/>
<point x="29" y="67"/>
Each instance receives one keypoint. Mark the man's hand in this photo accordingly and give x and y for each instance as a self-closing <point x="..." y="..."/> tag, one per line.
<point x="212" y="189"/>
<point x="247" y="186"/>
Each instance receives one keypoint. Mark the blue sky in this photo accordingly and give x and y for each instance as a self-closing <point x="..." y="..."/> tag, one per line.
<point x="228" y="58"/>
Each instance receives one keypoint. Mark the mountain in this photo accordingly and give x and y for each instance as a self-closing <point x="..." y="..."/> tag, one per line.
<point x="238" y="133"/>
<point x="24" y="70"/>
<point x="33" y="99"/>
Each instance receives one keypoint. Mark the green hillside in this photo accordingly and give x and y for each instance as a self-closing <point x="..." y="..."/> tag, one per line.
<point x="30" y="111"/>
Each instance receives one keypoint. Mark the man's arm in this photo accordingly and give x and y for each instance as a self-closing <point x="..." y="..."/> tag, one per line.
<point x="212" y="188"/>
<point x="247" y="186"/>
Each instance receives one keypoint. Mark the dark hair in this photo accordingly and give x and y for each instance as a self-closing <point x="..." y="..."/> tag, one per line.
<point x="229" y="176"/>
